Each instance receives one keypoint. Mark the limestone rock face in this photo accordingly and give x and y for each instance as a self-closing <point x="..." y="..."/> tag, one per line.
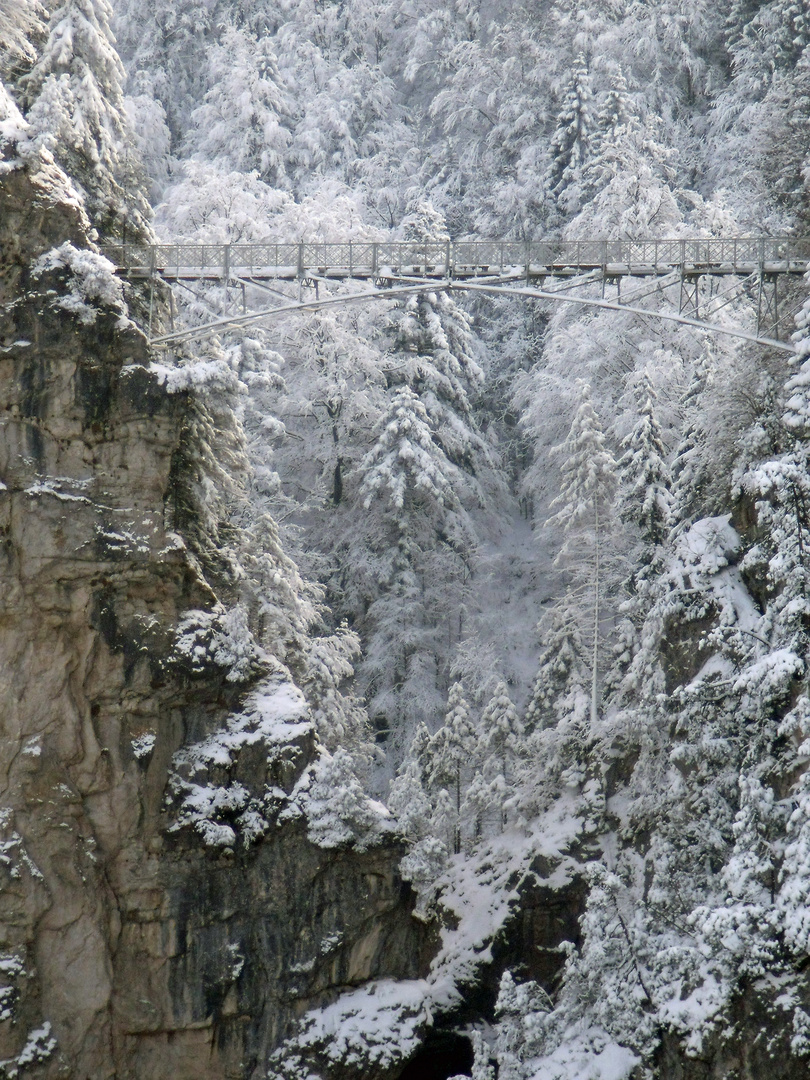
<point x="126" y="951"/>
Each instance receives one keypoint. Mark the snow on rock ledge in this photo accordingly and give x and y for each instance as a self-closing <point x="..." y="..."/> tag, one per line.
<point x="232" y="784"/>
<point x="266" y="766"/>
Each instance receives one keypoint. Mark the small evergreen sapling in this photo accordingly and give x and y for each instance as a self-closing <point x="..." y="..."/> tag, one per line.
<point x="500" y="735"/>
<point x="452" y="750"/>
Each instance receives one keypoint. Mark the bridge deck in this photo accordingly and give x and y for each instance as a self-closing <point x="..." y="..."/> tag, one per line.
<point x="466" y="259"/>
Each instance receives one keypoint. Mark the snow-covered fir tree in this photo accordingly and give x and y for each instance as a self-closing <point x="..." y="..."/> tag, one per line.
<point x="571" y="141"/>
<point x="584" y="512"/>
<point x="74" y="104"/>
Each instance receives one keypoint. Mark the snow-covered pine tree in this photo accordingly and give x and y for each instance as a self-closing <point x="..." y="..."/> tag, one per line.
<point x="616" y="111"/>
<point x="452" y="752"/>
<point x="500" y="745"/>
<point x="518" y="1007"/>
<point x="407" y="798"/>
<point x="246" y="117"/>
<point x="689" y="464"/>
<point x="645" y="499"/>
<point x="645" y="508"/>
<point x="427" y="471"/>
<point x="626" y="180"/>
<point x="561" y="685"/>
<point x="164" y="46"/>
<point x="406" y="464"/>
<point x="21" y="28"/>
<point x="482" y="1068"/>
<point x="415" y="817"/>
<point x="151" y="137"/>
<point x="74" y="104"/>
<point x="570" y="143"/>
<point x="585" y="513"/>
<point x="335" y="393"/>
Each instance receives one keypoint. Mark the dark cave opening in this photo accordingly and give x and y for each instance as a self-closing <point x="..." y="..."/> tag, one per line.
<point x="443" y="1055"/>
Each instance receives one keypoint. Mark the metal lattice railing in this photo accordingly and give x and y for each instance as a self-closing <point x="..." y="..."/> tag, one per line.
<point x="465" y="258"/>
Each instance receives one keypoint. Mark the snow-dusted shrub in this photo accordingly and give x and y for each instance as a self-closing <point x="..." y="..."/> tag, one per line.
<point x="90" y="280"/>
<point x="338" y="812"/>
<point x="218" y="639"/>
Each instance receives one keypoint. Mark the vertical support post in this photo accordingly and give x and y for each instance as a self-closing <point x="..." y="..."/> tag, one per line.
<point x="528" y="259"/>
<point x="776" y="306"/>
<point x="151" y="303"/>
<point x="448" y="269"/>
<point x="351" y="261"/>
<point x="244" y="300"/>
<point x="768" y="305"/>
<point x="171" y="308"/>
<point x="301" y="260"/>
<point x="373" y="260"/>
<point x="226" y="269"/>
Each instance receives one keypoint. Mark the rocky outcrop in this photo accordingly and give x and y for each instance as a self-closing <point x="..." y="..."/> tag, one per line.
<point x="128" y="951"/>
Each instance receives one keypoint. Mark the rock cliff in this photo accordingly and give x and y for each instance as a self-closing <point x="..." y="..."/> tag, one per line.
<point x="128" y="950"/>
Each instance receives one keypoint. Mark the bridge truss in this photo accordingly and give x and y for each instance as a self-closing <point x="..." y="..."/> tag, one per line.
<point x="689" y="280"/>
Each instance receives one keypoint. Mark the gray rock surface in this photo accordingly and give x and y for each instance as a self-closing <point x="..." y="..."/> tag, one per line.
<point x="125" y="951"/>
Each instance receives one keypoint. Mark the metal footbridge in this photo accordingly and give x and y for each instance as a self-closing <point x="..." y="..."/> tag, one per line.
<point x="683" y="276"/>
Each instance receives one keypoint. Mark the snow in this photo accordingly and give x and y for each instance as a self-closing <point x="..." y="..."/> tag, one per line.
<point x="196" y="374"/>
<point x="275" y="715"/>
<point x="122" y="540"/>
<point x="39" y="1046"/>
<point x="144" y="744"/>
<point x="379" y="1024"/>
<point x="15" y="134"/>
<point x="704" y="561"/>
<point x="219" y="638"/>
<point x="576" y="1060"/>
<point x="382" y="1022"/>
<point x="771" y="677"/>
<point x="91" y="281"/>
<point x="53" y="485"/>
<point x="337" y="810"/>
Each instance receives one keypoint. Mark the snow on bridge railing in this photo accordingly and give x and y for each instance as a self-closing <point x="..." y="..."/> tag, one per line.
<point x="465" y="258"/>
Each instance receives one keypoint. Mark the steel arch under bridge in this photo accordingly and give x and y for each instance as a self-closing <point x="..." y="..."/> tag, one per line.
<point x="558" y="271"/>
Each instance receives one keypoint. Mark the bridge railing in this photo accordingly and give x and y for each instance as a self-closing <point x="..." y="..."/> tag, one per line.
<point x="367" y="258"/>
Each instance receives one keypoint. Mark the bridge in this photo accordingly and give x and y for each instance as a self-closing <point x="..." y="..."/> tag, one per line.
<point x="560" y="271"/>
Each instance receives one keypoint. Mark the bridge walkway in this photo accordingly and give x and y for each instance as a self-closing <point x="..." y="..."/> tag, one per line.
<point x="550" y="268"/>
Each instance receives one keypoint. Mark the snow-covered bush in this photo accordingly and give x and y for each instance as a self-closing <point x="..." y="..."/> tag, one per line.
<point x="90" y="281"/>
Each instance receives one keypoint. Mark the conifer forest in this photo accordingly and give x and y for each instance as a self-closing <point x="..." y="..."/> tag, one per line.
<point x="404" y="669"/>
